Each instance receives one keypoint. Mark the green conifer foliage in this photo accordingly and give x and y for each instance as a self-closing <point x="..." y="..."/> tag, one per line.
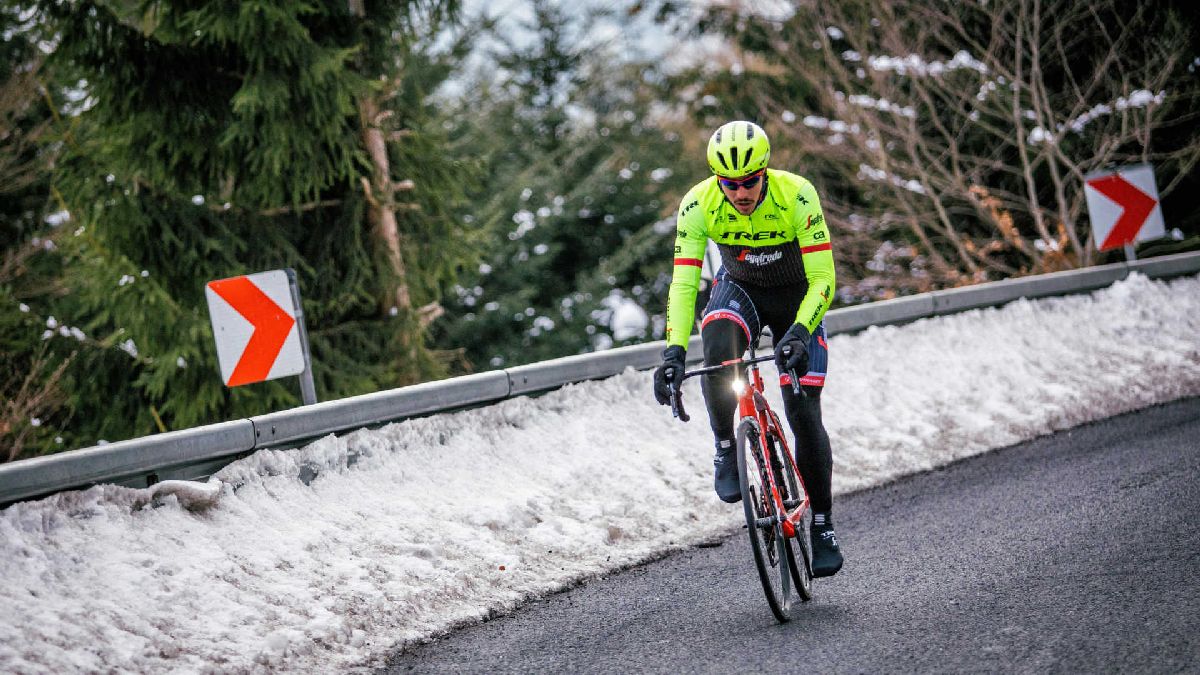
<point x="220" y="139"/>
<point x="579" y="164"/>
<point x="32" y="400"/>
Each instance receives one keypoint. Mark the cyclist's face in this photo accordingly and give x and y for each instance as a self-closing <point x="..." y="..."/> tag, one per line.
<point x="743" y="192"/>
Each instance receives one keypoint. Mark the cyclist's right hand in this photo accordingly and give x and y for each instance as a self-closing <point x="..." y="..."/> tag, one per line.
<point x="669" y="373"/>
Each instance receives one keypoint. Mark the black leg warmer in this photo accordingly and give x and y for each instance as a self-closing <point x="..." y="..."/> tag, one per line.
<point x="813" y="456"/>
<point x="723" y="340"/>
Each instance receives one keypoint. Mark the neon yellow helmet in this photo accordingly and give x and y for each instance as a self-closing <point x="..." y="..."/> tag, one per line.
<point x="737" y="149"/>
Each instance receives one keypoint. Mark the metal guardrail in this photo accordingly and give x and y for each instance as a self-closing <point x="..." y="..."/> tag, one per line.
<point x="187" y="453"/>
<point x="321" y="419"/>
<point x="196" y="453"/>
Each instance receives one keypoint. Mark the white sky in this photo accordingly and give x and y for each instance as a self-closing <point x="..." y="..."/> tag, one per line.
<point x="422" y="525"/>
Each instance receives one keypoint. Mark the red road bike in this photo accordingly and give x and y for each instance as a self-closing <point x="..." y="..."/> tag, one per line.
<point x="773" y="494"/>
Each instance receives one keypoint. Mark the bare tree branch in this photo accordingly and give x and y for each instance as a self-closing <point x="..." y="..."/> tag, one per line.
<point x="973" y="125"/>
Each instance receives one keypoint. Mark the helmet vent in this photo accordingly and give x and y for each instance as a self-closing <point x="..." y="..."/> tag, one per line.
<point x="749" y="131"/>
<point x="733" y="155"/>
<point x="723" y="162"/>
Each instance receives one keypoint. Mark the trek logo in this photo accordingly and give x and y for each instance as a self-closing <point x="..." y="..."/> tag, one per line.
<point x="815" y="221"/>
<point x="682" y="234"/>
<point x="757" y="236"/>
<point x="732" y="218"/>
<point x="802" y="200"/>
<point x="771" y="216"/>
<point x="687" y="208"/>
<point x="759" y="259"/>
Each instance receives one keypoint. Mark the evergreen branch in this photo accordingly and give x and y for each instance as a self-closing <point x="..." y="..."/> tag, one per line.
<point x="281" y="210"/>
<point x="366" y="185"/>
<point x="226" y="207"/>
<point x="427" y="314"/>
<point x="162" y="428"/>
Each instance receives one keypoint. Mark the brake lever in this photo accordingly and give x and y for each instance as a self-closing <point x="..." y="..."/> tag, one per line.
<point x="677" y="404"/>
<point x="796" y="388"/>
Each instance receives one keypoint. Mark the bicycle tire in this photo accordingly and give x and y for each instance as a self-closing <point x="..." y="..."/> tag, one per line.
<point x="770" y="547"/>
<point x="801" y="569"/>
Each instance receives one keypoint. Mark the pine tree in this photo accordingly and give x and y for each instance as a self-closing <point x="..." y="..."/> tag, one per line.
<point x="578" y="168"/>
<point x="220" y="139"/>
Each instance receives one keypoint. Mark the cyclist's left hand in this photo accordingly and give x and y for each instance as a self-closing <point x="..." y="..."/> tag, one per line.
<point x="791" y="352"/>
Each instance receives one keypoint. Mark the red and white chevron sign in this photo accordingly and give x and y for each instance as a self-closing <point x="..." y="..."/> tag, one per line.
<point x="1123" y="206"/>
<point x="254" y="323"/>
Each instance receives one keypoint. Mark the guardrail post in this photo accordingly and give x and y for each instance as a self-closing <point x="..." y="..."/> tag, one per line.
<point x="308" y="389"/>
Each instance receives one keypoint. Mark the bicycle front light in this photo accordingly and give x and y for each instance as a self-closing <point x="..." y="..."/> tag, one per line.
<point x="738" y="386"/>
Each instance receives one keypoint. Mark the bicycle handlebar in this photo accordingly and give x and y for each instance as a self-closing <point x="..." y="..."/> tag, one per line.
<point x="736" y="362"/>
<point x="677" y="393"/>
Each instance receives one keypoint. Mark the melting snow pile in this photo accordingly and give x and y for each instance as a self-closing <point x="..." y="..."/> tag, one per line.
<point x="330" y="556"/>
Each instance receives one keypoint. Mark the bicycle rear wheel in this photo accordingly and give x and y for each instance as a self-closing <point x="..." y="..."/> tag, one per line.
<point x="800" y="565"/>
<point x="771" y="549"/>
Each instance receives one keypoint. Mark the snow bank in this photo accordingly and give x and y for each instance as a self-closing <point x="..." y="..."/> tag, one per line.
<point x="330" y="556"/>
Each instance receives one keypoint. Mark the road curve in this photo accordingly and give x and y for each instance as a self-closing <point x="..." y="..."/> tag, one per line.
<point x="1078" y="552"/>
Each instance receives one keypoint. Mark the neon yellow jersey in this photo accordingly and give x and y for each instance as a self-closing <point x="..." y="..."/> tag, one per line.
<point x="784" y="242"/>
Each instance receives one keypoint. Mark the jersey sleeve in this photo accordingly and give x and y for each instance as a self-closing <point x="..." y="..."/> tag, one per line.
<point x="691" y="235"/>
<point x="813" y="236"/>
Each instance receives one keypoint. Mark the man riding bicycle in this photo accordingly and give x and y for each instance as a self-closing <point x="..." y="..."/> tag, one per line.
<point x="776" y="271"/>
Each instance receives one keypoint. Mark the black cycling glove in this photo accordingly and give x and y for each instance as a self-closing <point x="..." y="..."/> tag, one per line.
<point x="791" y="352"/>
<point x="669" y="373"/>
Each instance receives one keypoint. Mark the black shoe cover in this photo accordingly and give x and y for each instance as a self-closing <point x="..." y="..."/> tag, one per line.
<point x="827" y="557"/>
<point x="725" y="478"/>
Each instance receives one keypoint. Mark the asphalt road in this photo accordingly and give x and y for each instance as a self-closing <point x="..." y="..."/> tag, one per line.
<point x="1078" y="553"/>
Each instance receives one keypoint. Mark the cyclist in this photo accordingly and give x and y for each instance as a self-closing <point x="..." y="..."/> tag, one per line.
<point x="777" y="271"/>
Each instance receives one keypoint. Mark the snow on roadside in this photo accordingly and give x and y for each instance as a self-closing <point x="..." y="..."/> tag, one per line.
<point x="331" y="556"/>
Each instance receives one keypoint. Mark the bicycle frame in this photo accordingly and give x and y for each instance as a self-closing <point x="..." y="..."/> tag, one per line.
<point x="752" y="404"/>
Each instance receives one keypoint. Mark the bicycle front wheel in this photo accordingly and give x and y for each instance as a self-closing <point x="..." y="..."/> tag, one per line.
<point x="771" y="549"/>
<point x="799" y="550"/>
